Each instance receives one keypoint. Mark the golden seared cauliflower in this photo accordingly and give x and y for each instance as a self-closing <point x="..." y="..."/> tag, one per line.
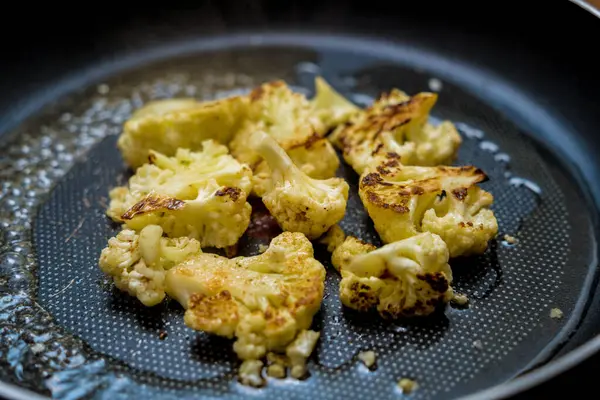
<point x="410" y="277"/>
<point x="197" y="194"/>
<point x="298" y="202"/>
<point x="330" y="106"/>
<point x="138" y="263"/>
<point x="284" y="115"/>
<point x="166" y="125"/>
<point x="345" y="251"/>
<point x="263" y="301"/>
<point x="291" y="120"/>
<point x="397" y="123"/>
<point x="405" y="200"/>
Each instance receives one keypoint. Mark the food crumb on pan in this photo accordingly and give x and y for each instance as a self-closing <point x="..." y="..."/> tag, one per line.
<point x="368" y="358"/>
<point x="162" y="335"/>
<point x="556" y="313"/>
<point x="510" y="239"/>
<point x="276" y="371"/>
<point x="262" y="248"/>
<point x="460" y="299"/>
<point x="407" y="386"/>
<point x="103" y="88"/>
<point x="478" y="344"/>
<point x="435" y="84"/>
<point x="249" y="373"/>
<point x="37" y="348"/>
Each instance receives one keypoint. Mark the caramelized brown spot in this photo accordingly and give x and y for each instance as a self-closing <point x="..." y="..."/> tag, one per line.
<point x="153" y="202"/>
<point x="437" y="281"/>
<point x="372" y="179"/>
<point x="460" y="194"/>
<point x="232" y="192"/>
<point x="151" y="158"/>
<point x="417" y="190"/>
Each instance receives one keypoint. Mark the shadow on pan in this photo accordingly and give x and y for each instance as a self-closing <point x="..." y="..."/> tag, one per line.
<point x="527" y="117"/>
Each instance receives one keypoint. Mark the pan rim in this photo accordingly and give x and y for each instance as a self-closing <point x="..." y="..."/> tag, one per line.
<point x="505" y="389"/>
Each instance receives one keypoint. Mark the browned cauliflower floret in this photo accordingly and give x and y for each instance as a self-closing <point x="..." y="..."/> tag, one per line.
<point x="284" y="115"/>
<point x="297" y="127"/>
<point x="298" y="202"/>
<point x="196" y="194"/>
<point x="397" y="123"/>
<point x="138" y="263"/>
<point x="166" y="125"/>
<point x="406" y="200"/>
<point x="350" y="247"/>
<point x="408" y="278"/>
<point x="264" y="301"/>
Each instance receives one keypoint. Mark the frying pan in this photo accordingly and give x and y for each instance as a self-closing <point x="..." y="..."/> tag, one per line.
<point x="518" y="82"/>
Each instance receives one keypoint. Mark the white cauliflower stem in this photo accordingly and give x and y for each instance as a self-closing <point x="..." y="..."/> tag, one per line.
<point x="138" y="263"/>
<point x="264" y="301"/>
<point x="196" y="194"/>
<point x="397" y="123"/>
<point x="407" y="278"/>
<point x="405" y="200"/>
<point x="298" y="202"/>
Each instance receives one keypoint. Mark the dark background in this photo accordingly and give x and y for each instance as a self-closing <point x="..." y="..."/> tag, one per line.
<point x="44" y="42"/>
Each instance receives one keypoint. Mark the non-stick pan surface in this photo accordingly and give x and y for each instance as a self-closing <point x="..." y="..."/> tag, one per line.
<point x="68" y="333"/>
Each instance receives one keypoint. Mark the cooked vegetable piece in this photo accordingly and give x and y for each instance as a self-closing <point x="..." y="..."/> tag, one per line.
<point x="298" y="202"/>
<point x="397" y="123"/>
<point x="407" y="278"/>
<point x="197" y="194"/>
<point x="138" y="263"/>
<point x="405" y="200"/>
<point x="166" y="125"/>
<point x="264" y="301"/>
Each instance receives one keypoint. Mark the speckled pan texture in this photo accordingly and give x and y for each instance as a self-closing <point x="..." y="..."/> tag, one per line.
<point x="66" y="332"/>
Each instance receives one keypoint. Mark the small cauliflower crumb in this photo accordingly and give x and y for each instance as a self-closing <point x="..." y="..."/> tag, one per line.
<point x="478" y="344"/>
<point x="407" y="386"/>
<point x="262" y="248"/>
<point x="556" y="313"/>
<point x="37" y="348"/>
<point x="299" y="351"/>
<point x="249" y="373"/>
<point x="510" y="239"/>
<point x="276" y="371"/>
<point x="368" y="358"/>
<point x="460" y="299"/>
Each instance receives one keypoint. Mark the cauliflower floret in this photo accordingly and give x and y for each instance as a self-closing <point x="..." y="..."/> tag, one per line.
<point x="331" y="107"/>
<point x="283" y="114"/>
<point x="297" y="202"/>
<point x="397" y="123"/>
<point x="294" y="123"/>
<point x="317" y="159"/>
<point x="406" y="200"/>
<point x="350" y="247"/>
<point x="166" y="125"/>
<point x="264" y="301"/>
<point x="138" y="263"/>
<point x="334" y="237"/>
<point x="201" y="195"/>
<point x="410" y="277"/>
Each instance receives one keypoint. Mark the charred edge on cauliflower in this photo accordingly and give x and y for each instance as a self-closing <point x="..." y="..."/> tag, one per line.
<point x="391" y="117"/>
<point x="308" y="143"/>
<point x="153" y="202"/>
<point x="233" y="192"/>
<point x="372" y="180"/>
